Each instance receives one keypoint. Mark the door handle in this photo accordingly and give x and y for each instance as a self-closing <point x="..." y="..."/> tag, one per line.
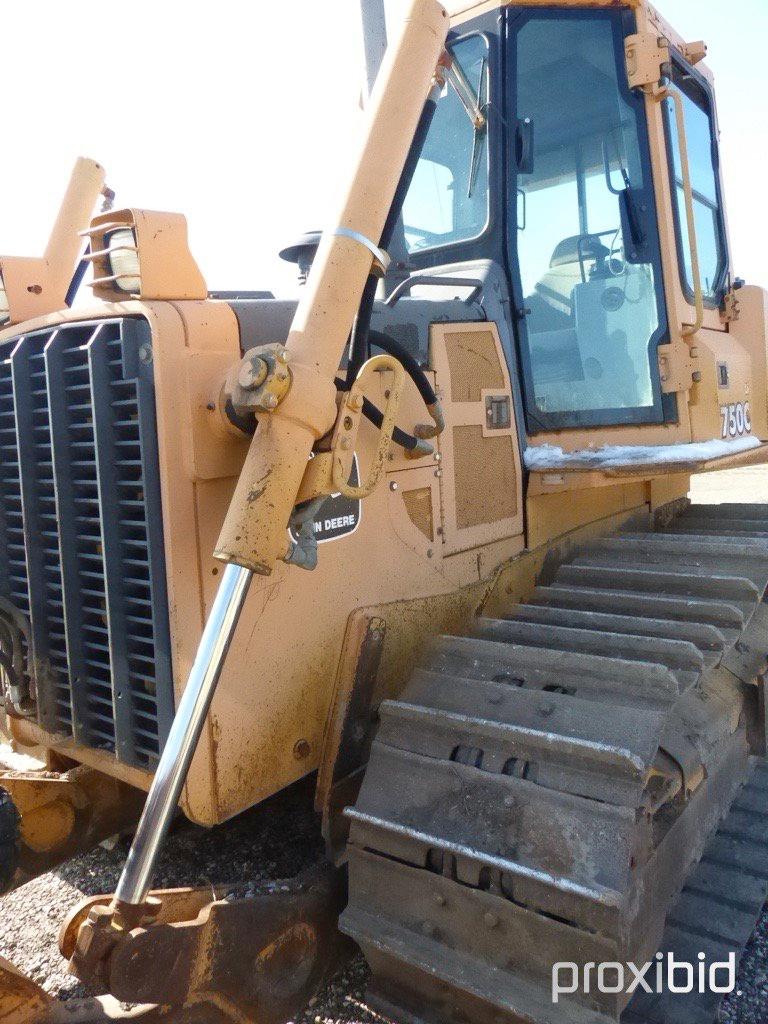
<point x="524" y="145"/>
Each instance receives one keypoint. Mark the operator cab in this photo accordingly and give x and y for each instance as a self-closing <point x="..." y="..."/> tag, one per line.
<point x="556" y="198"/>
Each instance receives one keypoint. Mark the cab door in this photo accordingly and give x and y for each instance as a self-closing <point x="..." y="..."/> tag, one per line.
<point x="583" y="242"/>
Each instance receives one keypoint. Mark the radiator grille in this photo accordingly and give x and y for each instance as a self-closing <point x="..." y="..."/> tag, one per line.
<point x="81" y="529"/>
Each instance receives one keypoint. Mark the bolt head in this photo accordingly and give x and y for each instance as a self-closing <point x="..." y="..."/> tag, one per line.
<point x="270" y="402"/>
<point x="302" y="749"/>
<point x="284" y="356"/>
<point x="439" y="899"/>
<point x="393" y="486"/>
<point x="252" y="373"/>
<point x="490" y="919"/>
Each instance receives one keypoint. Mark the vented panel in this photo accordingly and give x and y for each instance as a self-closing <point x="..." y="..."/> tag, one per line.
<point x="82" y="401"/>
<point x="49" y="667"/>
<point x="418" y="505"/>
<point x="474" y="364"/>
<point x="486" y="486"/>
<point x="14" y="586"/>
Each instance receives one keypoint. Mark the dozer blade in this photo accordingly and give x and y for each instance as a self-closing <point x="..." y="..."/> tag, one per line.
<point x="552" y="789"/>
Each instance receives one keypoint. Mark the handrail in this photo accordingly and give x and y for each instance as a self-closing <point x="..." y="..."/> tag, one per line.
<point x="344" y="438"/>
<point x="437" y="281"/>
<point x="685" y="169"/>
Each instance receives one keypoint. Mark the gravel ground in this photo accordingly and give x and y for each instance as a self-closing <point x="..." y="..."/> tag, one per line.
<point x="279" y="840"/>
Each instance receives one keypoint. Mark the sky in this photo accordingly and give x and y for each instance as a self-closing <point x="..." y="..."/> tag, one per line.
<point x="241" y="115"/>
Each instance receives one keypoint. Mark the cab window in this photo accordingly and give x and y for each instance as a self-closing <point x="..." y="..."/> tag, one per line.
<point x="704" y="162"/>
<point x="586" y="244"/>
<point x="447" y="201"/>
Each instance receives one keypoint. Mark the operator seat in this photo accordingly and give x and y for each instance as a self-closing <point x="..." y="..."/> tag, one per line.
<point x="551" y="322"/>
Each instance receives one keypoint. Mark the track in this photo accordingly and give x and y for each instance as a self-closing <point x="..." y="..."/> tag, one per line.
<point x="545" y="787"/>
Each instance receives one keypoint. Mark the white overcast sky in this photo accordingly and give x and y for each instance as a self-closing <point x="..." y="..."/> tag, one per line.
<point x="241" y="114"/>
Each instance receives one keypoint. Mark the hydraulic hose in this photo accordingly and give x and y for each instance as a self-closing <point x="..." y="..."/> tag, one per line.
<point x="77" y="279"/>
<point x="374" y="414"/>
<point x="359" y="337"/>
<point x="393" y="348"/>
<point x="419" y="378"/>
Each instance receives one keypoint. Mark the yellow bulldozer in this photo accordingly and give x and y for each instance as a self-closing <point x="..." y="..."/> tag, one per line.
<point x="423" y="533"/>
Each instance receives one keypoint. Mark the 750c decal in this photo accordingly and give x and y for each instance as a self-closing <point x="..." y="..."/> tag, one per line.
<point x="736" y="419"/>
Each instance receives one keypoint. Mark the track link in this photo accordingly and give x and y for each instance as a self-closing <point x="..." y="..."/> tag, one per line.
<point x="544" y="788"/>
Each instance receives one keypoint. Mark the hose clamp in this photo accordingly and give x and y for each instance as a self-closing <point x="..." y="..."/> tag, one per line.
<point x="381" y="259"/>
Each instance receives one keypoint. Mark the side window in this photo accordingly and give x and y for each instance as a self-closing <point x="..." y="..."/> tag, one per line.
<point x="448" y="198"/>
<point x="703" y="159"/>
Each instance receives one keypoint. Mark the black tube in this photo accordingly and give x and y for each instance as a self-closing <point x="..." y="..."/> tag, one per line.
<point x="376" y="416"/>
<point x="77" y="280"/>
<point x="7" y="666"/>
<point x="358" y="343"/>
<point x="415" y="372"/>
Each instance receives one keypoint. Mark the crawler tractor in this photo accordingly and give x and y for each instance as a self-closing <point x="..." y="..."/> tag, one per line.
<point x="423" y="534"/>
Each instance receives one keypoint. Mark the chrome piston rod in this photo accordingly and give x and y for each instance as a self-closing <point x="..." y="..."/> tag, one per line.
<point x="183" y="737"/>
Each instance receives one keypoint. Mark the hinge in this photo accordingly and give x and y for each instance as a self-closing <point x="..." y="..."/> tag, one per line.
<point x="677" y="368"/>
<point x="647" y="58"/>
<point x="730" y="311"/>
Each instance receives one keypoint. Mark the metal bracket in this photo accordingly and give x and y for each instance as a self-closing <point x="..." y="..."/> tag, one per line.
<point x="647" y="57"/>
<point x="349" y="728"/>
<point x="731" y="308"/>
<point x="381" y="259"/>
<point x="676" y="368"/>
<point x="695" y="52"/>
<point x="190" y="948"/>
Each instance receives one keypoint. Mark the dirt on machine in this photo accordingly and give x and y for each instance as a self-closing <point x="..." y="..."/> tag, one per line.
<point x="423" y="534"/>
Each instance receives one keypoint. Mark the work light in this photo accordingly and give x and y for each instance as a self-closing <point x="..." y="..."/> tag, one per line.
<point x="124" y="260"/>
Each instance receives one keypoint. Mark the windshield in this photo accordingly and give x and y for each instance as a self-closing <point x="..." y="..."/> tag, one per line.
<point x="448" y="198"/>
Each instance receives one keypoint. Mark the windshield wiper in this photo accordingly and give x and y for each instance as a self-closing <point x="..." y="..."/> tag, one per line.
<point x="474" y="106"/>
<point x="480" y="132"/>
